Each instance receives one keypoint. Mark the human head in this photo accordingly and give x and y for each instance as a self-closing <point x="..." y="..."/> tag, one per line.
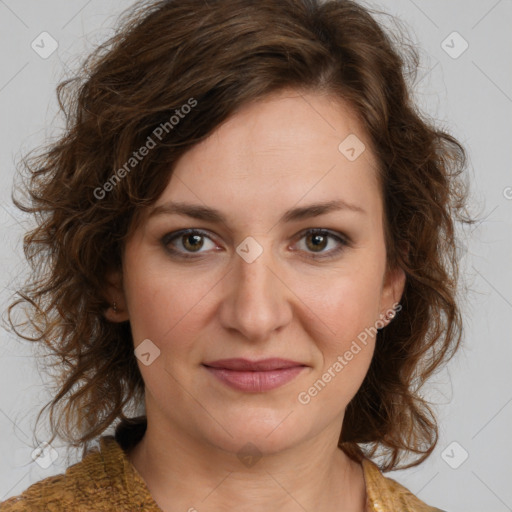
<point x="254" y="288"/>
<point x="225" y="55"/>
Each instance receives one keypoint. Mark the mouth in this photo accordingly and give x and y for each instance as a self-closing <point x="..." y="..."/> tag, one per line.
<point x="254" y="376"/>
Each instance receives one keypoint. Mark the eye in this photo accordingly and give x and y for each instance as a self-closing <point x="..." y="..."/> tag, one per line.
<point x="318" y="239"/>
<point x="192" y="241"/>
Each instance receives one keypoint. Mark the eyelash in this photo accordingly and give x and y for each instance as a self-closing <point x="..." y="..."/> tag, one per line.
<point x="343" y="241"/>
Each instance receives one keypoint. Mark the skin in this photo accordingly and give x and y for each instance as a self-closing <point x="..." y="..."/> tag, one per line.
<point x="273" y="155"/>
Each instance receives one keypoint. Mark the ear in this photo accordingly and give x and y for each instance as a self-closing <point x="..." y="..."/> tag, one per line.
<point x="392" y="291"/>
<point x="114" y="293"/>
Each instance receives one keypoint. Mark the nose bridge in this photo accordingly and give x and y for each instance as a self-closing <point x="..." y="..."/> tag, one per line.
<point x="253" y="268"/>
<point x="256" y="304"/>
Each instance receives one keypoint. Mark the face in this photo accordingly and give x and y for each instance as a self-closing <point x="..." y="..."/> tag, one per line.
<point x="261" y="283"/>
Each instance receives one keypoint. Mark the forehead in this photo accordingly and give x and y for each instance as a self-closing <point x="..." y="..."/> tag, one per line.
<point x="298" y="123"/>
<point x="288" y="148"/>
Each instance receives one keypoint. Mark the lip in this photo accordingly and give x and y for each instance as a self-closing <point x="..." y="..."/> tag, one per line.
<point x="254" y="376"/>
<point x="241" y="364"/>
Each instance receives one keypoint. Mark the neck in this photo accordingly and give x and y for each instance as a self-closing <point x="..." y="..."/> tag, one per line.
<point x="184" y="474"/>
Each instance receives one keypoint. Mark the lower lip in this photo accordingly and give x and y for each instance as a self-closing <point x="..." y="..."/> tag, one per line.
<point x="255" y="382"/>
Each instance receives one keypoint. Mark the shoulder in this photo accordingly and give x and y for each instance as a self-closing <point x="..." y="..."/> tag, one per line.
<point x="385" y="494"/>
<point x="86" y="483"/>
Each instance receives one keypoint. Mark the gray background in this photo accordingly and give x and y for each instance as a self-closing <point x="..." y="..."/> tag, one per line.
<point x="471" y="95"/>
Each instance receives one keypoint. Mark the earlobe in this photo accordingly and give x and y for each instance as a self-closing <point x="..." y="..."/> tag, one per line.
<point x="114" y="314"/>
<point x="114" y="294"/>
<point x="392" y="292"/>
<point x="398" y="284"/>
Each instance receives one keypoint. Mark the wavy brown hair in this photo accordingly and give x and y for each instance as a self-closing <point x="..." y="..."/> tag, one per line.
<point x="225" y="54"/>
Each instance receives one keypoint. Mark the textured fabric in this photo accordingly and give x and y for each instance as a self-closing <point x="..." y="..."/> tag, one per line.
<point x="106" y="481"/>
<point x="385" y="494"/>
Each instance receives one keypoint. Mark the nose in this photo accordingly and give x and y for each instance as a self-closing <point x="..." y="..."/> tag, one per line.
<point x="258" y="301"/>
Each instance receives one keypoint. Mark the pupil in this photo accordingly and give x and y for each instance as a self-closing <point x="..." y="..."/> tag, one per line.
<point x="196" y="238"/>
<point x="318" y="240"/>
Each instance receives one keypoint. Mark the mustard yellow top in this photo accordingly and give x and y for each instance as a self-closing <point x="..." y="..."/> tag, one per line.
<point x="106" y="481"/>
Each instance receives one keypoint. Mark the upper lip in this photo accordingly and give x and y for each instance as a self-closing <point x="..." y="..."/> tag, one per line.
<point x="241" y="364"/>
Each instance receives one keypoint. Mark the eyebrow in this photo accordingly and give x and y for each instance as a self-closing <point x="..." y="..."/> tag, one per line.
<point x="212" y="215"/>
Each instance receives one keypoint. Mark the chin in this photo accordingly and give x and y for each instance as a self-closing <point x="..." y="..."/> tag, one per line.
<point x="265" y="434"/>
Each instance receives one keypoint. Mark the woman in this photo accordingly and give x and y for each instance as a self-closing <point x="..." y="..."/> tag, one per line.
<point x="248" y="234"/>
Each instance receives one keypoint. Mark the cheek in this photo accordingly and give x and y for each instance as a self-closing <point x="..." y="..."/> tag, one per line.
<point x="343" y="327"/>
<point x="168" y="312"/>
<point x="345" y="348"/>
<point x="343" y="305"/>
<point x="164" y="305"/>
